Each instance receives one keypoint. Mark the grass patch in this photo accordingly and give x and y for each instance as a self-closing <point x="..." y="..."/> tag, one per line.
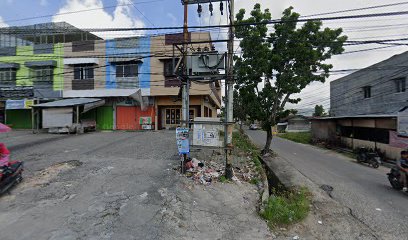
<point x="223" y="179"/>
<point x="287" y="208"/>
<point x="243" y="143"/>
<point x="300" y="137"/>
<point x="255" y="181"/>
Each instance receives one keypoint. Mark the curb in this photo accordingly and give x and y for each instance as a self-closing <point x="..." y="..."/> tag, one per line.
<point x="339" y="222"/>
<point x="265" y="191"/>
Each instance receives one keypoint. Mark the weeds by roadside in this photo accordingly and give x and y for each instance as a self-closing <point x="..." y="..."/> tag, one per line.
<point x="242" y="143"/>
<point x="286" y="208"/>
<point x="300" y="137"/>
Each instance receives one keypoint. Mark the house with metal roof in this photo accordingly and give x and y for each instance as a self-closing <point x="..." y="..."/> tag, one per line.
<point x="365" y="106"/>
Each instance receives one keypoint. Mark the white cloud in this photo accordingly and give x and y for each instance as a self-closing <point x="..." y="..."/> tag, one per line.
<point x="43" y="2"/>
<point x="2" y="23"/>
<point x="318" y="93"/>
<point x="122" y="17"/>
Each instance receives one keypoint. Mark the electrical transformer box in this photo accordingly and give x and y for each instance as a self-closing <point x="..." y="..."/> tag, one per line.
<point x="205" y="63"/>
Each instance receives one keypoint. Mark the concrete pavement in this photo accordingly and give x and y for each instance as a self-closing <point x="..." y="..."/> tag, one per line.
<point x="119" y="185"/>
<point x="366" y="191"/>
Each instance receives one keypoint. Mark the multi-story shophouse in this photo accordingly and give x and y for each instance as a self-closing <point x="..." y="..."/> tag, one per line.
<point x="132" y="75"/>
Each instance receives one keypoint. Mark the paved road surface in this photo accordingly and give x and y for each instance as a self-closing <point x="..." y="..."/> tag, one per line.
<point x="366" y="191"/>
<point x="118" y="185"/>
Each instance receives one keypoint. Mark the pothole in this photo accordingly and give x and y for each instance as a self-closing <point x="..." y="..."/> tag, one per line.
<point x="327" y="188"/>
<point x="44" y="177"/>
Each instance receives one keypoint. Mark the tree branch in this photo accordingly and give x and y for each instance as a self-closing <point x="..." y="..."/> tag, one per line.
<point x="285" y="100"/>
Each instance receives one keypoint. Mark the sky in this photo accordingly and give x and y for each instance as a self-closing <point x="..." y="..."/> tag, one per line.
<point x="160" y="13"/>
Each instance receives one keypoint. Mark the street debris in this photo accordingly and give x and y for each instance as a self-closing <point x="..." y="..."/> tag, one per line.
<point x="295" y="237"/>
<point x="320" y="222"/>
<point x="143" y="195"/>
<point x="211" y="170"/>
<point x="378" y="209"/>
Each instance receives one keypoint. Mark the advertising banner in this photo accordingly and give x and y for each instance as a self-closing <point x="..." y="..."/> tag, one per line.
<point x="398" y="141"/>
<point x="183" y="143"/>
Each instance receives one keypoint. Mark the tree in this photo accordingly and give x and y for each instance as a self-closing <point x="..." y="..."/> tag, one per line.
<point x="275" y="65"/>
<point x="239" y="108"/>
<point x="319" y="111"/>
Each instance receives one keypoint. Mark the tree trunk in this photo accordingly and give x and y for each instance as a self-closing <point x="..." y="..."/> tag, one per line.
<point x="269" y="137"/>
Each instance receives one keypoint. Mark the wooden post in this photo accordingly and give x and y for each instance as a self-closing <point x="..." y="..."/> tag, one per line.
<point x="77" y="114"/>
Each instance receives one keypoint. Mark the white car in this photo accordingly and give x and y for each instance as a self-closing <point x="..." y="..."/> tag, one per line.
<point x="253" y="126"/>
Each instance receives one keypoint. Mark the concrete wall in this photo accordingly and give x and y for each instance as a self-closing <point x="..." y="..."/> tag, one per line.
<point x="390" y="152"/>
<point x="347" y="96"/>
<point x="323" y="130"/>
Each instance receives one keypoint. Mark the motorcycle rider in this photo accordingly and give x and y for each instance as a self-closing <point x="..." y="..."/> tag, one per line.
<point x="4" y="155"/>
<point x="402" y="165"/>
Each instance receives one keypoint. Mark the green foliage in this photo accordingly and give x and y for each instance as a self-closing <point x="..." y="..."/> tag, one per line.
<point x="255" y="181"/>
<point x="300" y="137"/>
<point x="319" y="111"/>
<point x="239" y="107"/>
<point x="287" y="208"/>
<point x="275" y="65"/>
<point x="243" y="143"/>
<point x="223" y="179"/>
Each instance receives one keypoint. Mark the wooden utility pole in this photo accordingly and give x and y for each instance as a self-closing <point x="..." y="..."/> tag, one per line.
<point x="229" y="93"/>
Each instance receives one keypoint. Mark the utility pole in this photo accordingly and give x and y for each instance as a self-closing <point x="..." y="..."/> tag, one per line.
<point x="185" y="85"/>
<point x="229" y="93"/>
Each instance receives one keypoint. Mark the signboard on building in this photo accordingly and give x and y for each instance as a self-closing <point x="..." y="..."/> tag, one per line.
<point x="403" y="122"/>
<point x="398" y="141"/>
<point x="183" y="143"/>
<point x="145" y="120"/>
<point x="19" y="104"/>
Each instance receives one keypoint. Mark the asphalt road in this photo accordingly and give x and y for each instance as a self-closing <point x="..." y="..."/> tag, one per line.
<point x="366" y="191"/>
<point x="118" y="185"/>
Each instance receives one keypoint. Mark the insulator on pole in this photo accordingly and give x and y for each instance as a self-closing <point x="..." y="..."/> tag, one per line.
<point x="222" y="8"/>
<point x="211" y="8"/>
<point x="199" y="10"/>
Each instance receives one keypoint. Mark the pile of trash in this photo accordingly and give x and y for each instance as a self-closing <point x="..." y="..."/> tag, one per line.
<point x="210" y="171"/>
<point x="201" y="172"/>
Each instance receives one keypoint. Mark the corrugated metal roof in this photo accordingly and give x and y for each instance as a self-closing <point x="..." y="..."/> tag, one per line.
<point x="68" y="102"/>
<point x="359" y="116"/>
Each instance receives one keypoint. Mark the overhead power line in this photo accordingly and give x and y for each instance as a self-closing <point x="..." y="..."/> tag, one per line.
<point x="275" y="21"/>
<point x="358" y="9"/>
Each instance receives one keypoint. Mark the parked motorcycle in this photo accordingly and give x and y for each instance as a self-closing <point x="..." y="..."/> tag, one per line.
<point x="371" y="157"/>
<point x="394" y="178"/>
<point x="10" y="175"/>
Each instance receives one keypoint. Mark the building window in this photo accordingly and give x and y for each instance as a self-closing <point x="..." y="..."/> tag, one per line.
<point x="168" y="68"/>
<point x="7" y="76"/>
<point x="173" y="116"/>
<point x="42" y="74"/>
<point x="400" y="84"/>
<point x="126" y="70"/>
<point x="170" y="80"/>
<point x="83" y="72"/>
<point x="367" y="91"/>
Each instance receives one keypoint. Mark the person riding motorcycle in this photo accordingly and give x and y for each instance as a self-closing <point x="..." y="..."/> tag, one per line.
<point x="402" y="165"/>
<point x="4" y="155"/>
